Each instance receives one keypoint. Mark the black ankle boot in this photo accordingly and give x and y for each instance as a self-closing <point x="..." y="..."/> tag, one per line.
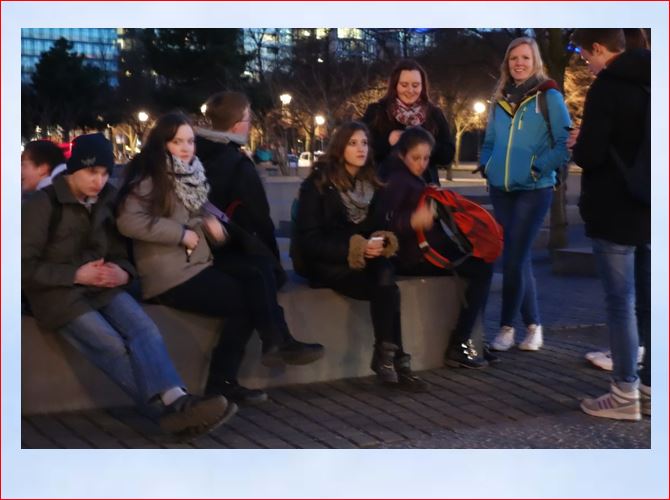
<point x="407" y="380"/>
<point x="382" y="362"/>
<point x="464" y="355"/>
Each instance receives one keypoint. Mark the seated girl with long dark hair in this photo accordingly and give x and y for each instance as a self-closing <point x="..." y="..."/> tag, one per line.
<point x="339" y="246"/>
<point x="161" y="208"/>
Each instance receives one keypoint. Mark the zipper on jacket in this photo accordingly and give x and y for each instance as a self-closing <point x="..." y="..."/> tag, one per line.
<point x="509" y="149"/>
<point x="509" y="141"/>
<point x="521" y="118"/>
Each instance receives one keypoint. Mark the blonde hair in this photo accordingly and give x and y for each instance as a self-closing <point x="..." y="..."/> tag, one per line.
<point x="505" y="76"/>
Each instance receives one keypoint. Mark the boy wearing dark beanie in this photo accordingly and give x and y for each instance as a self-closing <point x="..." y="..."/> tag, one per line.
<point x="74" y="267"/>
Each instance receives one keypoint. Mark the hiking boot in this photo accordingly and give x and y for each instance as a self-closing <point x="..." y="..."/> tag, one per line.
<point x="382" y="362"/>
<point x="191" y="416"/>
<point x="645" y="400"/>
<point x="616" y="404"/>
<point x="406" y="379"/>
<point x="237" y="393"/>
<point x="533" y="340"/>
<point x="292" y="352"/>
<point x="504" y="340"/>
<point x="464" y="355"/>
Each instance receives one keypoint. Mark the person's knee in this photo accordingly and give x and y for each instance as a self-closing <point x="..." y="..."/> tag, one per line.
<point x="384" y="272"/>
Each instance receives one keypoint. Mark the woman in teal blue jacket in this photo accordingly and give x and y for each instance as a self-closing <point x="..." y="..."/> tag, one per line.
<point x="525" y="144"/>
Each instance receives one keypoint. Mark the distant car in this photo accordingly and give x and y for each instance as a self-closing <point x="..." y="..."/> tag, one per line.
<point x="306" y="159"/>
<point x="292" y="160"/>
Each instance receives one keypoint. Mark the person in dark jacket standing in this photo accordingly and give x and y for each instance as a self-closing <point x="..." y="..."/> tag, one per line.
<point x="620" y="226"/>
<point x="73" y="269"/>
<point x="406" y="104"/>
<point x="398" y="204"/>
<point x="340" y="246"/>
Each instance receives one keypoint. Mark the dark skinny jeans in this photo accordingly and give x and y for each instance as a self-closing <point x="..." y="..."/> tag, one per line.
<point x="238" y="291"/>
<point x="376" y="284"/>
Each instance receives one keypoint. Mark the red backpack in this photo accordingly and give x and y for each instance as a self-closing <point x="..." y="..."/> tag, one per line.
<point x="468" y="224"/>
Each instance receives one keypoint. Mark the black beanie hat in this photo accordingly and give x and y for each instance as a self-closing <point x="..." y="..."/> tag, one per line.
<point x="91" y="150"/>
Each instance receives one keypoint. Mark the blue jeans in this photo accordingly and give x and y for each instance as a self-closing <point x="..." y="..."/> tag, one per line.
<point x="625" y="272"/>
<point x="521" y="214"/>
<point x="122" y="341"/>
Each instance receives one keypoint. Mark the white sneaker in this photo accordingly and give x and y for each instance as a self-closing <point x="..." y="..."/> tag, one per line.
<point x="533" y="340"/>
<point x="504" y="340"/>
<point x="603" y="359"/>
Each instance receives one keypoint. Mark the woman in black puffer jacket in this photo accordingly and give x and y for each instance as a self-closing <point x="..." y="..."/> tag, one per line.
<point x="337" y="245"/>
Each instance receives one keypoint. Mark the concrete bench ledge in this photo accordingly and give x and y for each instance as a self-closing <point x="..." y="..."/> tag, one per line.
<point x="57" y="378"/>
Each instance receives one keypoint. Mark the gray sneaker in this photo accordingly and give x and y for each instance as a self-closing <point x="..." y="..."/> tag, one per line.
<point x="616" y="404"/>
<point x="645" y="400"/>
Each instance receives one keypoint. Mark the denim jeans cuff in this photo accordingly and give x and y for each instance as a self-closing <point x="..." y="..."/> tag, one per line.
<point x="627" y="386"/>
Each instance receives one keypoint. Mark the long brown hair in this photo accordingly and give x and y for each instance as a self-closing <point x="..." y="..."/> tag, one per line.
<point x="331" y="168"/>
<point x="152" y="162"/>
<point x="406" y="65"/>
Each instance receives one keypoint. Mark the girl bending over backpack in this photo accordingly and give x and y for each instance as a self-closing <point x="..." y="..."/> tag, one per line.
<point x="398" y="204"/>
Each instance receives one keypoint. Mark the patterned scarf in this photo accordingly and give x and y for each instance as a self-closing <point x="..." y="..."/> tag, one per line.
<point x="357" y="200"/>
<point x="190" y="183"/>
<point x="409" y="116"/>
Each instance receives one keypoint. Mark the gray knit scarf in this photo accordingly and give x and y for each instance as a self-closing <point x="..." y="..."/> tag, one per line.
<point x="357" y="201"/>
<point x="190" y="183"/>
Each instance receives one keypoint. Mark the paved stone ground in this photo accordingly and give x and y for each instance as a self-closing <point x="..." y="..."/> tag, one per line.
<point x="529" y="400"/>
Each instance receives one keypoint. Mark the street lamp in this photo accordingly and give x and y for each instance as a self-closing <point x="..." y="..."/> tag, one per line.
<point x="320" y="120"/>
<point x="286" y="99"/>
<point x="479" y="107"/>
<point x="203" y="109"/>
<point x="142" y="116"/>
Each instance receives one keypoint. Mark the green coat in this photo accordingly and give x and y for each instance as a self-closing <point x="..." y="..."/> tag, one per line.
<point x="50" y="257"/>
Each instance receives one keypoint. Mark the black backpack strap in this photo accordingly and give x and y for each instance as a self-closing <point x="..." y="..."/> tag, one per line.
<point x="544" y="109"/>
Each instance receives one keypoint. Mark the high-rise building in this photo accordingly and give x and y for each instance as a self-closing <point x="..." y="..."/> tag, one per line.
<point x="270" y="46"/>
<point x="100" y="47"/>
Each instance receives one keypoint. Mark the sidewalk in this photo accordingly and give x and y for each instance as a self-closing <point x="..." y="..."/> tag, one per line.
<point x="528" y="400"/>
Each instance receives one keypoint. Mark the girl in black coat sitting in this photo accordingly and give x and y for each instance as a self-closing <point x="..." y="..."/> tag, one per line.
<point x="398" y="206"/>
<point x="338" y="244"/>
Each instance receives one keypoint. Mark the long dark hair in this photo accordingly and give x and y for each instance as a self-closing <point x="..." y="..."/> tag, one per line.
<point x="413" y="136"/>
<point x="406" y="65"/>
<point x="152" y="163"/>
<point x="389" y="99"/>
<point x="331" y="168"/>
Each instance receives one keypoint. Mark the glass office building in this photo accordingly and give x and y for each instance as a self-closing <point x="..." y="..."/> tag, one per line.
<point x="100" y="47"/>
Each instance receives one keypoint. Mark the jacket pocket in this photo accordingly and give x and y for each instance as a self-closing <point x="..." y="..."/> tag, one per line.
<point x="534" y="171"/>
